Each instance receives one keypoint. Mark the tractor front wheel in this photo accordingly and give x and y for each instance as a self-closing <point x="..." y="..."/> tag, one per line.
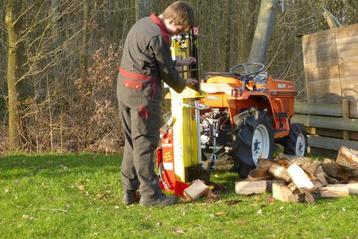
<point x="254" y="141"/>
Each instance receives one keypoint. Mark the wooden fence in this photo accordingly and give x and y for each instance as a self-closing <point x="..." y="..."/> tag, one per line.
<point x="330" y="113"/>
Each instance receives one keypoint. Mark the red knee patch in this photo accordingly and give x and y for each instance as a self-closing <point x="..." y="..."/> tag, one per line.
<point x="143" y="112"/>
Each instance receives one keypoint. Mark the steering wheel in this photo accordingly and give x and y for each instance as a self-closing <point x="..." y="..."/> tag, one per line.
<point x="247" y="70"/>
<point x="241" y="71"/>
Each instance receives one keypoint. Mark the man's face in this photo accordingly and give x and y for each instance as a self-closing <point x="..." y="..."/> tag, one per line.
<point x="173" y="28"/>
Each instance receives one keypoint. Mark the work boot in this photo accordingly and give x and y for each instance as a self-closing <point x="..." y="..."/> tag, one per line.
<point x="162" y="200"/>
<point x="129" y="198"/>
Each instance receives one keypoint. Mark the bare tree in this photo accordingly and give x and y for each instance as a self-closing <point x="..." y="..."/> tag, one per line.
<point x="142" y="8"/>
<point x="12" y="27"/>
<point x="263" y="33"/>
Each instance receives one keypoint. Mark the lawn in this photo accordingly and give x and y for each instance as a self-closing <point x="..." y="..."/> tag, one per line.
<point x="79" y="196"/>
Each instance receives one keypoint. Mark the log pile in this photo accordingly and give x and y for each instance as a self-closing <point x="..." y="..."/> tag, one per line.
<point x="301" y="179"/>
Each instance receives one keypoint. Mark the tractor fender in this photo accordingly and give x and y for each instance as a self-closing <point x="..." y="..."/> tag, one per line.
<point x="249" y="96"/>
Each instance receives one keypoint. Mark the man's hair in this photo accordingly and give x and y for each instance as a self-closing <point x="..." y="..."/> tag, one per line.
<point x="181" y="14"/>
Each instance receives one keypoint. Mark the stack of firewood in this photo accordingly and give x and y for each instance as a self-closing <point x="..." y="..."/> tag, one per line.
<point x="301" y="179"/>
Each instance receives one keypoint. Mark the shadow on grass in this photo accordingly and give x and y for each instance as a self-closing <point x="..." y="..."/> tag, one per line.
<point x="49" y="165"/>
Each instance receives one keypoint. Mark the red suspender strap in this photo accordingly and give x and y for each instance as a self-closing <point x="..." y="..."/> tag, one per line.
<point x="137" y="76"/>
<point x="163" y="30"/>
<point x="134" y="75"/>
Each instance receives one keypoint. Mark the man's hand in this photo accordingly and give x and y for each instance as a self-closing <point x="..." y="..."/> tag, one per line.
<point x="186" y="61"/>
<point x="191" y="82"/>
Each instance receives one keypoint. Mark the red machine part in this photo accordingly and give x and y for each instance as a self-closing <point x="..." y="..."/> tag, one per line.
<point x="165" y="162"/>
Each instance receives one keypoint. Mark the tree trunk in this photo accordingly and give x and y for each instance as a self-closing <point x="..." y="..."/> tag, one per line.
<point x="263" y="32"/>
<point x="246" y="28"/>
<point x="142" y="8"/>
<point x="228" y="19"/>
<point x="84" y="45"/>
<point x="12" y="31"/>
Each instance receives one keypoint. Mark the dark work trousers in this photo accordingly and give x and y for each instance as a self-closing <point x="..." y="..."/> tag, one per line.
<point x="141" y="140"/>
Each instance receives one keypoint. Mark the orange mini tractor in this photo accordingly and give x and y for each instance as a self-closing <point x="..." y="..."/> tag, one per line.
<point x="248" y="113"/>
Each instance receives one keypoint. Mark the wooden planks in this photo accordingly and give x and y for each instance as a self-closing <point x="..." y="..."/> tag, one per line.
<point x="331" y="63"/>
<point x="326" y="122"/>
<point x="331" y="143"/>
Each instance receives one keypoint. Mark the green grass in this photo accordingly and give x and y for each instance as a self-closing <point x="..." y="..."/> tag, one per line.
<point x="79" y="196"/>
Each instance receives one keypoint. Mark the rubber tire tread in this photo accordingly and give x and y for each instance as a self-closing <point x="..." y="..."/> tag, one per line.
<point x="290" y="142"/>
<point x="242" y="152"/>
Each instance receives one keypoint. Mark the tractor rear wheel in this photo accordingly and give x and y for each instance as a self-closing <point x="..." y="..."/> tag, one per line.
<point x="296" y="141"/>
<point x="254" y="140"/>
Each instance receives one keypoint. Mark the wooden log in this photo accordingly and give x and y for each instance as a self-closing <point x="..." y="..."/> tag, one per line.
<point x="334" y="191"/>
<point x="282" y="162"/>
<point x="250" y="187"/>
<point x="347" y="158"/>
<point x="309" y="197"/>
<point x="293" y="188"/>
<point x="300" y="178"/>
<point x="197" y="189"/>
<point x="310" y="168"/>
<point x="298" y="160"/>
<point x="261" y="172"/>
<point x="293" y="159"/>
<point x="258" y="174"/>
<point x="269" y="184"/>
<point x="353" y="188"/>
<point x="330" y="168"/>
<point x="282" y="193"/>
<point x="354" y="174"/>
<point x="321" y="176"/>
<point x="332" y="180"/>
<point x="317" y="184"/>
<point x="279" y="172"/>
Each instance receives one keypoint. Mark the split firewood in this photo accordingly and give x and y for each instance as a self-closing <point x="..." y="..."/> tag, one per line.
<point x="293" y="188"/>
<point x="265" y="164"/>
<point x="330" y="167"/>
<point x="258" y="174"/>
<point x="261" y="171"/>
<point x="321" y="176"/>
<point x="352" y="187"/>
<point x="299" y="160"/>
<point x="279" y="172"/>
<point x="250" y="187"/>
<point x="344" y="175"/>
<point x="334" y="191"/>
<point x="331" y="180"/>
<point x="282" y="162"/>
<point x="282" y="193"/>
<point x="269" y="184"/>
<point x="347" y="158"/>
<point x="353" y="180"/>
<point x="317" y="183"/>
<point x="300" y="178"/>
<point x="310" y="168"/>
<point x="197" y="189"/>
<point x="310" y="196"/>
<point x="293" y="158"/>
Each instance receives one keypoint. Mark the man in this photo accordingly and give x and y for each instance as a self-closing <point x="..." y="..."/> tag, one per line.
<point x="146" y="63"/>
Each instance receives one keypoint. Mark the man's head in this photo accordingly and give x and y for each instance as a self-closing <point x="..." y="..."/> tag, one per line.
<point x="178" y="17"/>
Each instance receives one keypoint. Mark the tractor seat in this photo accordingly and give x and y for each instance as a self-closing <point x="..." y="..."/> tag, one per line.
<point x="234" y="82"/>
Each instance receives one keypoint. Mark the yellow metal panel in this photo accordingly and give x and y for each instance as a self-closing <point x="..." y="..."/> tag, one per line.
<point x="185" y="129"/>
